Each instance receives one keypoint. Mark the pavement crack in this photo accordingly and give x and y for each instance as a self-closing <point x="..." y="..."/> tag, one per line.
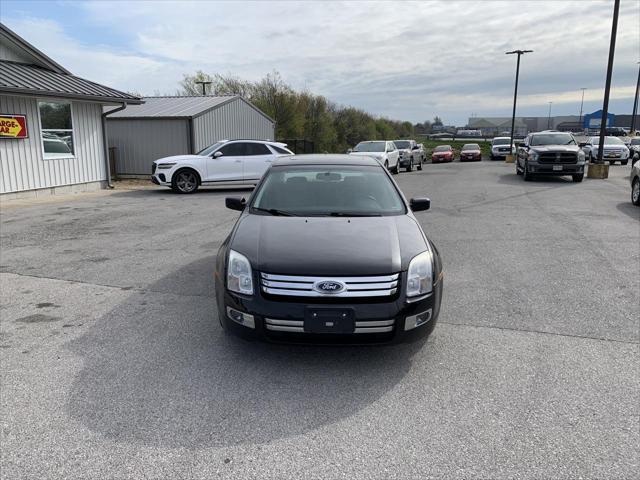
<point x="541" y="332"/>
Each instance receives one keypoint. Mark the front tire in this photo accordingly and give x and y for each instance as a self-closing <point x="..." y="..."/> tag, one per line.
<point x="396" y="169"/>
<point x="526" y="176"/>
<point x="185" y="181"/>
<point x="635" y="192"/>
<point x="410" y="166"/>
<point x="578" y="178"/>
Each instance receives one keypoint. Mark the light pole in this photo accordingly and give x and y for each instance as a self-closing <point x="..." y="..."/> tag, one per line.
<point x="204" y="84"/>
<point x="607" y="87"/>
<point x="549" y="116"/>
<point x="581" y="104"/>
<point x="515" y="92"/>
<point x="635" y="105"/>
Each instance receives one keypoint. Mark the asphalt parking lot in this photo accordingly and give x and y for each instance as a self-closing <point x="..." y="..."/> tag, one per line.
<point x="113" y="364"/>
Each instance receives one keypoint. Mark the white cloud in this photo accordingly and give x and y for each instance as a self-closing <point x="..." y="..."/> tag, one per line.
<point x="407" y="60"/>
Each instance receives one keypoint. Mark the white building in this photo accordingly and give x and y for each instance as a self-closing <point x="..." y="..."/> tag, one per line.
<point x="52" y="127"/>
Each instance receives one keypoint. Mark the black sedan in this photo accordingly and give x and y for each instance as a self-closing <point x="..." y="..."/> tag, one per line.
<point x="327" y="249"/>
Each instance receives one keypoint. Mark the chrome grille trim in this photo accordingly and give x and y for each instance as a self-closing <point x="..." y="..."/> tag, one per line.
<point x="302" y="286"/>
<point x="297" y="326"/>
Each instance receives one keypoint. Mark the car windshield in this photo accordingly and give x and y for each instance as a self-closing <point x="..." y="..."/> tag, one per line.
<point x="331" y="190"/>
<point x="210" y="149"/>
<point x="402" y="143"/>
<point x="608" y="141"/>
<point x="501" y="141"/>
<point x="370" y="147"/>
<point x="552" y="139"/>
<point x="471" y="146"/>
<point x="442" y="148"/>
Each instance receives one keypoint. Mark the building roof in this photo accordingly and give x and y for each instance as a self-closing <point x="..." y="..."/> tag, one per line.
<point x="180" y="106"/>
<point x="17" y="42"/>
<point x="19" y="78"/>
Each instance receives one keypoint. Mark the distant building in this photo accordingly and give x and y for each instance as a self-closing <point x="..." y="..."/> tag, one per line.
<point x="566" y="123"/>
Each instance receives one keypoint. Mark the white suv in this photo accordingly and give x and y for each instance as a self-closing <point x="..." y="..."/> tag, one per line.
<point x="385" y="151"/>
<point x="500" y="148"/>
<point x="227" y="161"/>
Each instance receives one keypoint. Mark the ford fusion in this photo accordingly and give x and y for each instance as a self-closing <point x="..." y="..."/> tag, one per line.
<point x="327" y="249"/>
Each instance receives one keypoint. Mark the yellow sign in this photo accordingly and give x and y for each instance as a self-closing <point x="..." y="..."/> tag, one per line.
<point x="13" y="126"/>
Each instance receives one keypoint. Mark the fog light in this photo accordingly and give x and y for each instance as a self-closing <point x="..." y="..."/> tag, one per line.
<point x="417" y="320"/>
<point x="241" y="318"/>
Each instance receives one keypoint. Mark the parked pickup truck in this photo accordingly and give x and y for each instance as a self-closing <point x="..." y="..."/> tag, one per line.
<point x="550" y="153"/>
<point x="411" y="153"/>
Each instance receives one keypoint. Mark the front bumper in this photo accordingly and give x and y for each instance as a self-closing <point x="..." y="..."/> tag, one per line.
<point x="160" y="179"/>
<point x="556" y="169"/>
<point x="375" y="322"/>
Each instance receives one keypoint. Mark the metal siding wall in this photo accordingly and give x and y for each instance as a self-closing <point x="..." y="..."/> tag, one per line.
<point x="22" y="164"/>
<point x="233" y="120"/>
<point x="141" y="141"/>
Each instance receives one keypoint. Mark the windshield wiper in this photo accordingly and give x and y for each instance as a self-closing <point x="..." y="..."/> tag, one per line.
<point x="275" y="212"/>
<point x="353" y="214"/>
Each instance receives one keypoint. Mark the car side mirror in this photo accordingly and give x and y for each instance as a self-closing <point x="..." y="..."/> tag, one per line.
<point x="235" y="203"/>
<point x="419" y="204"/>
<point x="582" y="144"/>
<point x="218" y="154"/>
<point x="520" y="145"/>
<point x="350" y="150"/>
<point x="415" y="147"/>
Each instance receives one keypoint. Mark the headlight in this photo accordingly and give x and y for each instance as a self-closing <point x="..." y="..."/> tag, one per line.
<point x="533" y="156"/>
<point x="239" y="274"/>
<point x="420" y="275"/>
<point x="165" y="166"/>
<point x="580" y="156"/>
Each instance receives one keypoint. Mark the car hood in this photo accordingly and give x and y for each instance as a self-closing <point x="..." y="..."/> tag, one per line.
<point x="470" y="152"/>
<point x="178" y="158"/>
<point x="556" y="148"/>
<point x="442" y="153"/>
<point x="336" y="246"/>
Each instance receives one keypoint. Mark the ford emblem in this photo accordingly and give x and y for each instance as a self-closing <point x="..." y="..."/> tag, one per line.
<point x="329" y="286"/>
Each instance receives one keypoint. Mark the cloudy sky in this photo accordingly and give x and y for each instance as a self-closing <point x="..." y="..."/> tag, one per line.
<point x="403" y="60"/>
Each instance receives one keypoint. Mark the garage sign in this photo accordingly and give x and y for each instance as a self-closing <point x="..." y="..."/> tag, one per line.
<point x="13" y="126"/>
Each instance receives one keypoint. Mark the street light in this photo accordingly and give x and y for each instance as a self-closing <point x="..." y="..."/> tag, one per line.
<point x="204" y="84"/>
<point x="549" y="116"/>
<point x="635" y="105"/>
<point x="515" y="92"/>
<point x="607" y="88"/>
<point x="581" y="104"/>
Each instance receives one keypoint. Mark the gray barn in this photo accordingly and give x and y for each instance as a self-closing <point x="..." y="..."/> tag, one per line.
<point x="165" y="126"/>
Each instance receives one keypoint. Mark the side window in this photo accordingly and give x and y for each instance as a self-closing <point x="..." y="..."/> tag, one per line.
<point x="234" y="149"/>
<point x="57" y="129"/>
<point x="257" y="149"/>
<point x="280" y="150"/>
<point x="391" y="146"/>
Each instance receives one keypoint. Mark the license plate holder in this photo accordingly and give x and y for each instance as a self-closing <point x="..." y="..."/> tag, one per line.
<point x="329" y="320"/>
<point x="557" y="168"/>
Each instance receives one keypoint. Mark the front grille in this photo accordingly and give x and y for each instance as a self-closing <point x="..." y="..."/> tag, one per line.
<point x="301" y="286"/>
<point x="297" y="326"/>
<point x="559" y="157"/>
<point x="153" y="168"/>
<point x="505" y="149"/>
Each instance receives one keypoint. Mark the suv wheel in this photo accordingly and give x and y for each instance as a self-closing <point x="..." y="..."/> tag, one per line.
<point x="410" y="166"/>
<point x="518" y="170"/>
<point x="420" y="164"/>
<point x="185" y="181"/>
<point x="635" y="192"/>
<point x="396" y="168"/>
<point x="578" y="178"/>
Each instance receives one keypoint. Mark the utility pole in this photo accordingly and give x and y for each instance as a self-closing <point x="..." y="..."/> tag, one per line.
<point x="607" y="88"/>
<point x="515" y="92"/>
<point x="204" y="86"/>
<point x="635" y="105"/>
<point x="549" y="116"/>
<point x="581" y="104"/>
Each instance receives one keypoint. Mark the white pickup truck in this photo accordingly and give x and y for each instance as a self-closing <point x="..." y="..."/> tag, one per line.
<point x="411" y="153"/>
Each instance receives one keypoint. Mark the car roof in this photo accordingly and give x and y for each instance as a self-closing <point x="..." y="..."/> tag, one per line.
<point x="326" y="159"/>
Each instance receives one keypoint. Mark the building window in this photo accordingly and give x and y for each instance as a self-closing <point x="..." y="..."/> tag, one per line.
<point x="57" y="129"/>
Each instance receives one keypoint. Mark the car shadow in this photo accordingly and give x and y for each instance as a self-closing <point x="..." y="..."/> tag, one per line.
<point x="165" y="191"/>
<point x="543" y="181"/>
<point x="629" y="209"/>
<point x="158" y="370"/>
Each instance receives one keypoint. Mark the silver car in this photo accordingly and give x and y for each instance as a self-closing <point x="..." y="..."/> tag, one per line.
<point x="634" y="178"/>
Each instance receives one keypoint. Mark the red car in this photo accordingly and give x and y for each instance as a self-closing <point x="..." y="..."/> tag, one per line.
<point x="442" y="153"/>
<point x="470" y="153"/>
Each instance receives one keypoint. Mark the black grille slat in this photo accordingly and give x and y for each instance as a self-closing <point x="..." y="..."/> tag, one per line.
<point x="563" y="157"/>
